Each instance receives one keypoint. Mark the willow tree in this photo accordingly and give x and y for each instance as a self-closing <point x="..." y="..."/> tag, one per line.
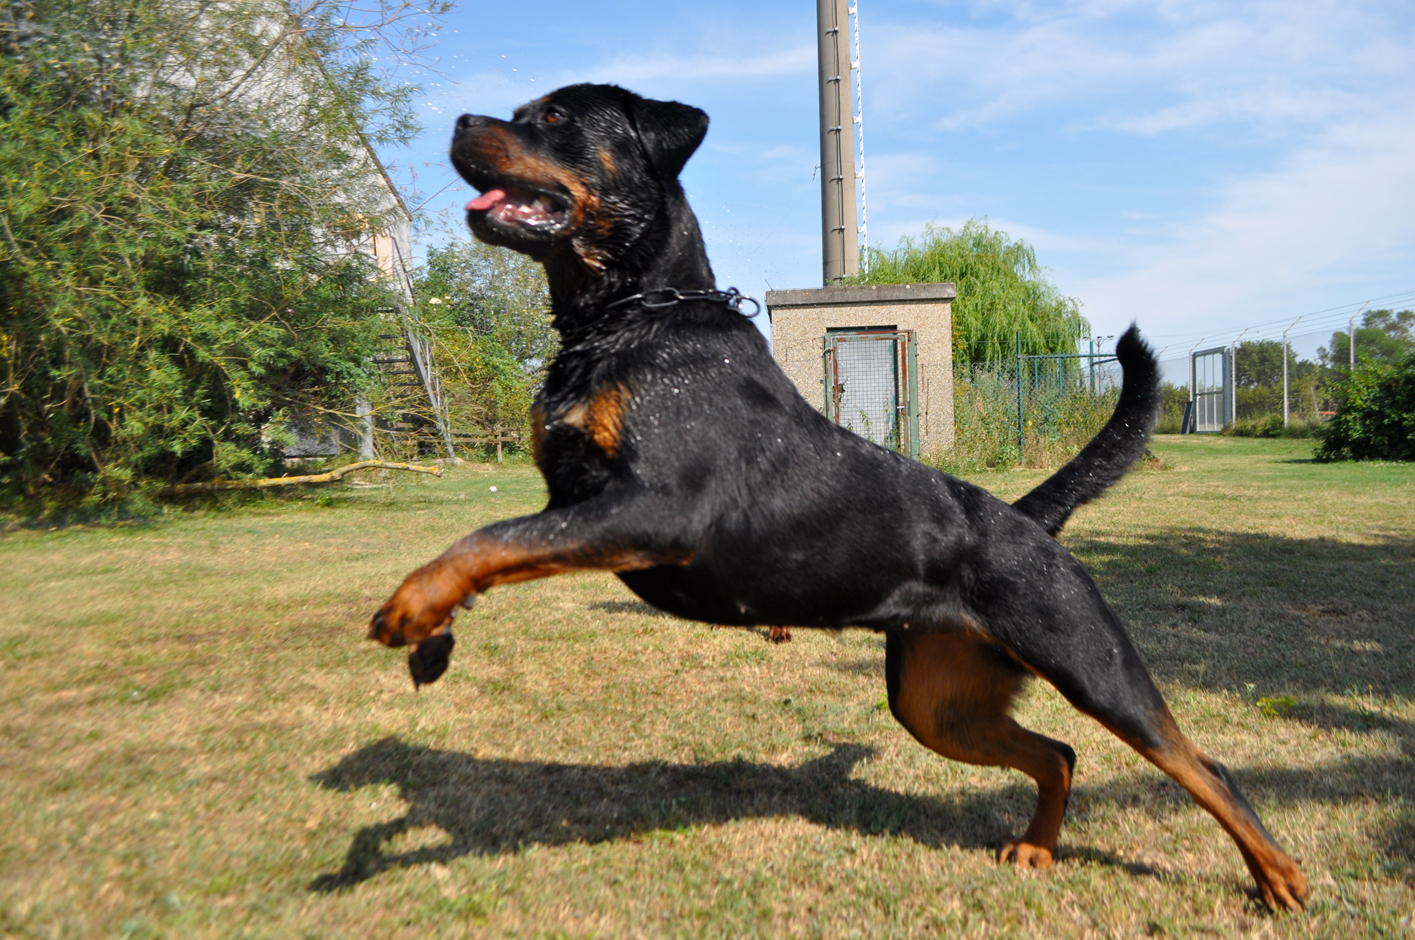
<point x="185" y="190"/>
<point x="1002" y="290"/>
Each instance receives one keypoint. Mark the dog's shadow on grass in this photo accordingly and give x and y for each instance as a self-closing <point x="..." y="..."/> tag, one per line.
<point x="488" y="806"/>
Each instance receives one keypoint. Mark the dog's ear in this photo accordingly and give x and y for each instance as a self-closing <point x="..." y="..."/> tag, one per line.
<point x="670" y="132"/>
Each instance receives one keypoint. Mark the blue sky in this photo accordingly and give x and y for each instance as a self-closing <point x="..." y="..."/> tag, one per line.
<point x="1197" y="166"/>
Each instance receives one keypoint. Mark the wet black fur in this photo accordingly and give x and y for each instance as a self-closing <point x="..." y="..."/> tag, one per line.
<point x="788" y="518"/>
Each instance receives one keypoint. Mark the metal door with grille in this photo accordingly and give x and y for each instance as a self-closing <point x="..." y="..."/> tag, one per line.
<point x="1211" y="385"/>
<point x="872" y="386"/>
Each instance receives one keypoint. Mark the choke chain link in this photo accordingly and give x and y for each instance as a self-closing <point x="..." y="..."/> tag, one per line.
<point x="662" y="297"/>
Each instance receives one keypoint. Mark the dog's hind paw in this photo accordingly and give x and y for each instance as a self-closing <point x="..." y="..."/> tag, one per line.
<point x="1283" y="888"/>
<point x="1025" y="855"/>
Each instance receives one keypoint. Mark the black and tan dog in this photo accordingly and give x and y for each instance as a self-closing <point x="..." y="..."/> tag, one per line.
<point x="678" y="456"/>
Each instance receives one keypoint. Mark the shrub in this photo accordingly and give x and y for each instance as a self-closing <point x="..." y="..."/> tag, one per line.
<point x="184" y="193"/>
<point x="487" y="310"/>
<point x="1375" y="414"/>
<point x="1174" y="398"/>
<point x="1298" y="426"/>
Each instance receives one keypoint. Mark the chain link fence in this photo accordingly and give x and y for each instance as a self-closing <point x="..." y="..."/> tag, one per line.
<point x="1029" y="411"/>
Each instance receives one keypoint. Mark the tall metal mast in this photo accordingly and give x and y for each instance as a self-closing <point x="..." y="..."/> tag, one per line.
<point x="840" y="253"/>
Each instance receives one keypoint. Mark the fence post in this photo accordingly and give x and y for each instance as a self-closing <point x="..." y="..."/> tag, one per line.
<point x="1021" y="441"/>
<point x="1284" y="368"/>
<point x="913" y="350"/>
<point x="1233" y="378"/>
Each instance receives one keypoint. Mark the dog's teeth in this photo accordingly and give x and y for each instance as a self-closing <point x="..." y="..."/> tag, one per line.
<point x="544" y="203"/>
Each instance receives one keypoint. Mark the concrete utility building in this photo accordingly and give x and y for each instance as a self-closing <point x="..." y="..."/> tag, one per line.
<point x="876" y="359"/>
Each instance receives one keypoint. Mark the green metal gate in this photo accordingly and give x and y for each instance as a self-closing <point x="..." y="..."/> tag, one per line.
<point x="872" y="385"/>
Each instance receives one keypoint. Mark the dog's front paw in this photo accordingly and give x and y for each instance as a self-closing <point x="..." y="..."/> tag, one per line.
<point x="428" y="660"/>
<point x="423" y="604"/>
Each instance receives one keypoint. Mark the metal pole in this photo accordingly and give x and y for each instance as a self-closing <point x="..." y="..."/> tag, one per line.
<point x="859" y="119"/>
<point x="1233" y="378"/>
<point x="1191" y="366"/>
<point x="1351" y="333"/>
<point x="1284" y="368"/>
<point x="1193" y="400"/>
<point x="1021" y="441"/>
<point x="840" y="253"/>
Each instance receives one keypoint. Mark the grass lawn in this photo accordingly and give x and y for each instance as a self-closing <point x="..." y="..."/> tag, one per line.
<point x="196" y="740"/>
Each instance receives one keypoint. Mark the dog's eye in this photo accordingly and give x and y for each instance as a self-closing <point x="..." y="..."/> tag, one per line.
<point x="554" y="116"/>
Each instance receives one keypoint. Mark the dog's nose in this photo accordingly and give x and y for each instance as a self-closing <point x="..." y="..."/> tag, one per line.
<point x="469" y="121"/>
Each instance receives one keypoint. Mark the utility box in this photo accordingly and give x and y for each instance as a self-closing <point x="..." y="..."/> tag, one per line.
<point x="876" y="359"/>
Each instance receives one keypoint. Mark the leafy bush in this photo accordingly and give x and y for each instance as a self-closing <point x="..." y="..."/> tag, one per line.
<point x="183" y="192"/>
<point x="984" y="422"/>
<point x="1375" y="414"/>
<point x="487" y="311"/>
<point x="1172" y="402"/>
<point x="1298" y="426"/>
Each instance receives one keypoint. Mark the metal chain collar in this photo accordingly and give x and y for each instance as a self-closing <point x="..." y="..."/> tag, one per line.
<point x="662" y="297"/>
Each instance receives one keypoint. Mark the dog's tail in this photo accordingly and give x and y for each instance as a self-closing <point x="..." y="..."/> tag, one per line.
<point x="1112" y="452"/>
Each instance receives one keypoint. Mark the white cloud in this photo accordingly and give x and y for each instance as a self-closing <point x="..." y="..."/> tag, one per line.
<point x="1327" y="224"/>
<point x="628" y="70"/>
<point x="1139" y="67"/>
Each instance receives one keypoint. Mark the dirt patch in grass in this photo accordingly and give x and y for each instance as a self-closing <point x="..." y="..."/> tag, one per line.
<point x="198" y="742"/>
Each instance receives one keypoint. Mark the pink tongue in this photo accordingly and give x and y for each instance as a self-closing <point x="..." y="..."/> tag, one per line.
<point x="487" y="199"/>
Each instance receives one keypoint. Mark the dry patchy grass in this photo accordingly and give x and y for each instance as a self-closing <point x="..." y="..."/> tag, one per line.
<point x="197" y="741"/>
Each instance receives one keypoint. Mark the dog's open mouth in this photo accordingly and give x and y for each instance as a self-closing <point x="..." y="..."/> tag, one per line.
<point x="513" y="206"/>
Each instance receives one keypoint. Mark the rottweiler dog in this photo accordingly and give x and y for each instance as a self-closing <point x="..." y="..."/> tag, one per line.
<point x="679" y="456"/>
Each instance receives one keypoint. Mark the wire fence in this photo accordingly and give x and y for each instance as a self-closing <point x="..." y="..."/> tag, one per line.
<point x="1031" y="411"/>
<point x="1285" y="373"/>
<point x="1269" y="379"/>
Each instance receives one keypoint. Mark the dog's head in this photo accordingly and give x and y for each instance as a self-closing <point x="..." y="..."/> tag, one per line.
<point x="587" y="167"/>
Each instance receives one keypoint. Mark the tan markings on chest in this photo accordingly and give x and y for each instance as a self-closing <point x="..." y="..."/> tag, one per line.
<point x="601" y="417"/>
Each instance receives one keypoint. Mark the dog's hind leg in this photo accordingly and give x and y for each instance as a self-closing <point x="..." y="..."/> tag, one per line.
<point x="952" y="691"/>
<point x="1092" y="662"/>
<point x="1279" y="879"/>
<point x="1155" y="734"/>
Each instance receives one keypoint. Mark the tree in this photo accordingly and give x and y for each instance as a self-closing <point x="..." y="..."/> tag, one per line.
<point x="1001" y="290"/>
<point x="487" y="309"/>
<point x="1259" y="364"/>
<point x="1375" y="413"/>
<point x="184" y="189"/>
<point x="1383" y="336"/>
<point x="1258" y="376"/>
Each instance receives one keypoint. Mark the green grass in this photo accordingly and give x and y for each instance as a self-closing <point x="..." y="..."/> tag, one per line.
<point x="196" y="740"/>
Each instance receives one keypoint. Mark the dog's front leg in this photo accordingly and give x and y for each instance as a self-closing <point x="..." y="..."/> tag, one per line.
<point x="601" y="535"/>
